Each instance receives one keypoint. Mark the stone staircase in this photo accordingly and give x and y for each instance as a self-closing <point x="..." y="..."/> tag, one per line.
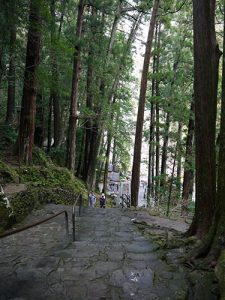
<point x="109" y="260"/>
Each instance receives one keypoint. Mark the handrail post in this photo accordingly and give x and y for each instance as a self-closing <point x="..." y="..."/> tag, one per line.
<point x="79" y="198"/>
<point x="73" y="222"/>
<point x="80" y="204"/>
<point x="67" y="223"/>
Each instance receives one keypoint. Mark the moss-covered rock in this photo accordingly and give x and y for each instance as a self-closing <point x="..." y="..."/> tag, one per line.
<point x="25" y="202"/>
<point x="46" y="183"/>
<point x="52" y="177"/>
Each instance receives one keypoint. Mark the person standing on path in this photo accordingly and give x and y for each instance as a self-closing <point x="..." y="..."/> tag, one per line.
<point x="91" y="199"/>
<point x="102" y="200"/>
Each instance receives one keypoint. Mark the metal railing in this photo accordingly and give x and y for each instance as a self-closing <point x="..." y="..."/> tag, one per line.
<point x="80" y="199"/>
<point x="8" y="233"/>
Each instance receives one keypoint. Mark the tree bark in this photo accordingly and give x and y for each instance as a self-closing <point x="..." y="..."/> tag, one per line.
<point x="55" y="81"/>
<point x="218" y="243"/>
<point x="3" y="25"/>
<point x="151" y="138"/>
<point x="179" y="155"/>
<point x="94" y="153"/>
<point x="205" y="94"/>
<point x="89" y="102"/>
<point x="107" y="154"/>
<point x="71" y="140"/>
<point x="10" y="114"/>
<point x="171" y="182"/>
<point x="81" y="156"/>
<point x="157" y="150"/>
<point x="49" y="131"/>
<point x="39" y="124"/>
<point x="157" y="134"/>
<point x="164" y="150"/>
<point x="188" y="168"/>
<point x="213" y="243"/>
<point x="28" y="110"/>
<point x="141" y="107"/>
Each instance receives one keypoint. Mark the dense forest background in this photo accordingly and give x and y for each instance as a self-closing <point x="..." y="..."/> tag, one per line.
<point x="81" y="84"/>
<point x="67" y="87"/>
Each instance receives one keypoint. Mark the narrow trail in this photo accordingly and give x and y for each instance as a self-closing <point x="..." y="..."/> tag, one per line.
<point x="110" y="260"/>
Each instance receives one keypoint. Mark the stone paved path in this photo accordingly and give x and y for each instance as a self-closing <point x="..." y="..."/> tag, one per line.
<point x="109" y="260"/>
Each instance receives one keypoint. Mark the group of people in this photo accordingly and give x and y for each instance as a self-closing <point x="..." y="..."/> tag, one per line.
<point x="92" y="200"/>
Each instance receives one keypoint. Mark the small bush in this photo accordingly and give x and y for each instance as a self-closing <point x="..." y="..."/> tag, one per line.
<point x="40" y="157"/>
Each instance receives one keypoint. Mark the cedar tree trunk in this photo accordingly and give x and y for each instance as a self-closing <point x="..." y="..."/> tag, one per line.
<point x="140" y="117"/>
<point x="188" y="168"/>
<point x="71" y="140"/>
<point x="10" y="114"/>
<point x="25" y="138"/>
<point x="205" y="97"/>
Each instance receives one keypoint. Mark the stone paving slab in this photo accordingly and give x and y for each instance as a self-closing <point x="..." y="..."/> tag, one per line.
<point x="109" y="260"/>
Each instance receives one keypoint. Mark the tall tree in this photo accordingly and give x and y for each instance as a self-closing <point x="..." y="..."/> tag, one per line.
<point x="71" y="140"/>
<point x="157" y="135"/>
<point x="112" y="95"/>
<point x="54" y="93"/>
<point x="205" y="98"/>
<point x="168" y="114"/>
<point x="188" y="168"/>
<point x="89" y="92"/>
<point x="179" y="148"/>
<point x="218" y="228"/>
<point x="25" y="138"/>
<point x="10" y="114"/>
<point x="98" y="124"/>
<point x="141" y="107"/>
<point x="3" y="24"/>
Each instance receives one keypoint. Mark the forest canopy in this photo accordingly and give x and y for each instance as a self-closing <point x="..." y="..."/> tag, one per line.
<point x="68" y="87"/>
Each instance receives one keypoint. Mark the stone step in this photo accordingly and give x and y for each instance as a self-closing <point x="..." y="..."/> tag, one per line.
<point x="109" y="260"/>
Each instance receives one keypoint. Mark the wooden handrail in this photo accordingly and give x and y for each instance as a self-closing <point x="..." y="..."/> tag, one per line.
<point x="8" y="233"/>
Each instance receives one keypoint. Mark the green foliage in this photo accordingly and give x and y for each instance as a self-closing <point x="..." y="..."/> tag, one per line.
<point x="191" y="207"/>
<point x="24" y="203"/>
<point x="7" y="136"/>
<point x="40" y="157"/>
<point x="52" y="177"/>
<point x="58" y="155"/>
<point x="8" y="173"/>
<point x="35" y="197"/>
